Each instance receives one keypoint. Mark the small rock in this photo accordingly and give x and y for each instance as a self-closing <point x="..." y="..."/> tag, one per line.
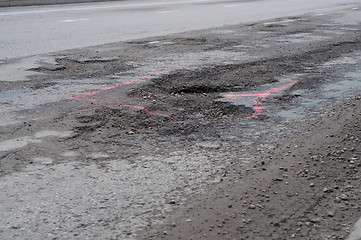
<point x="343" y="197"/>
<point x="278" y="179"/>
<point x="315" y="220"/>
<point x="247" y="221"/>
<point x="312" y="184"/>
<point x="252" y="206"/>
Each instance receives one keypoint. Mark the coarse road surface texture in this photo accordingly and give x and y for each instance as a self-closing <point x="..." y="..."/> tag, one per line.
<point x="244" y="130"/>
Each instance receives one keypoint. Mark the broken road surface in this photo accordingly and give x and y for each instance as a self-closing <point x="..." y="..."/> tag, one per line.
<point x="248" y="131"/>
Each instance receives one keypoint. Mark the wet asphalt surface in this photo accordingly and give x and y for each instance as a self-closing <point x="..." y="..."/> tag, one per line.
<point x="112" y="141"/>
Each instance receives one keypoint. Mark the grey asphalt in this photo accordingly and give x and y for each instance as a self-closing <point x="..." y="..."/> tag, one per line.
<point x="53" y="190"/>
<point x="27" y="31"/>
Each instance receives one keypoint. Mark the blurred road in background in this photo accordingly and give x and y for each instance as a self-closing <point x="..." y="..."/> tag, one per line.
<point x="34" y="30"/>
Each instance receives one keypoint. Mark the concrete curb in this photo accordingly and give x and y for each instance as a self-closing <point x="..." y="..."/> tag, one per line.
<point x="14" y="3"/>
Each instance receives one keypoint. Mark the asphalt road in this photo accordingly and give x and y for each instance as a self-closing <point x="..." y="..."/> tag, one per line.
<point x="213" y="134"/>
<point x="27" y="31"/>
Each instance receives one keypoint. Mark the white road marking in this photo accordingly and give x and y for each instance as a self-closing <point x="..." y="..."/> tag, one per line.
<point x="77" y="8"/>
<point x="74" y="20"/>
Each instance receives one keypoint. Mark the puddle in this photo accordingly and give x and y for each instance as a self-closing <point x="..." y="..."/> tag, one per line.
<point x="341" y="88"/>
<point x="355" y="74"/>
<point x="350" y="81"/>
<point x="350" y="23"/>
<point x="8" y="95"/>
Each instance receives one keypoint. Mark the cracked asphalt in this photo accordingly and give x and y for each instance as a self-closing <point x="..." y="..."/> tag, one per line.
<point x="140" y="139"/>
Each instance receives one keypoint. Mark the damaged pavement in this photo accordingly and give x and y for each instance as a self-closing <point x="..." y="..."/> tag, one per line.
<point x="243" y="132"/>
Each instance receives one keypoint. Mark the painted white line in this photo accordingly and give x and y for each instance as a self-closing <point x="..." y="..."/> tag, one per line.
<point x="76" y="8"/>
<point x="74" y="20"/>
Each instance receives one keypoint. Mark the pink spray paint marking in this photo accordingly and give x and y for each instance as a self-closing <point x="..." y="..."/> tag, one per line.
<point x="84" y="97"/>
<point x="259" y="98"/>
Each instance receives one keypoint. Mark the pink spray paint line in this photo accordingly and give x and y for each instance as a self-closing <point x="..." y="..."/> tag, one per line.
<point x="85" y="95"/>
<point x="145" y="110"/>
<point x="258" y="104"/>
<point x="259" y="98"/>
